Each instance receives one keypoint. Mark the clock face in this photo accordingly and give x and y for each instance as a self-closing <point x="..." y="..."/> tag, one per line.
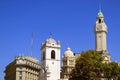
<point x="99" y="27"/>
<point x="20" y="61"/>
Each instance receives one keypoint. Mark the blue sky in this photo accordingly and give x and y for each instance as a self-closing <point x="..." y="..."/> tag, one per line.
<point x="70" y="21"/>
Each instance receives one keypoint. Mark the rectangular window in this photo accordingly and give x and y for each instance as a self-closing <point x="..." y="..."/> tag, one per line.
<point x="20" y="78"/>
<point x="20" y="67"/>
<point x="71" y="62"/>
<point x="20" y="72"/>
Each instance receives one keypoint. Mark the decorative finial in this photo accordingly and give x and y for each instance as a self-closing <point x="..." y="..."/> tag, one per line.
<point x="100" y="14"/>
<point x="22" y="54"/>
<point x="50" y="35"/>
<point x="68" y="48"/>
<point x="19" y="54"/>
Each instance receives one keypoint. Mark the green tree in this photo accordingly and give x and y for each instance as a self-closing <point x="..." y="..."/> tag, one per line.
<point x="88" y="66"/>
<point x="112" y="71"/>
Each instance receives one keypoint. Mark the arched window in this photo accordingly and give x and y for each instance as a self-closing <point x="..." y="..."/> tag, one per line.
<point x="52" y="54"/>
<point x="99" y="20"/>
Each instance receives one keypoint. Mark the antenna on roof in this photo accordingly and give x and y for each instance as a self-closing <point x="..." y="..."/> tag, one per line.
<point x="32" y="38"/>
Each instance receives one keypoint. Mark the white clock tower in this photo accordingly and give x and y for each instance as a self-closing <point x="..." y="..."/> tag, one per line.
<point x="100" y="30"/>
<point x="100" y="33"/>
<point x="50" y="60"/>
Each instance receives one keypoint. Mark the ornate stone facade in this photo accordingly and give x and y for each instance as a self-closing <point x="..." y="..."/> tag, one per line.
<point x="23" y="68"/>
<point x="68" y="63"/>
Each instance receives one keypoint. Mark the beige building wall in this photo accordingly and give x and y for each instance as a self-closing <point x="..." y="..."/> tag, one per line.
<point x="101" y="41"/>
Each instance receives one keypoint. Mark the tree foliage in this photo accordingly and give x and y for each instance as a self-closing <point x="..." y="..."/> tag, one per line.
<point x="89" y="66"/>
<point x="112" y="71"/>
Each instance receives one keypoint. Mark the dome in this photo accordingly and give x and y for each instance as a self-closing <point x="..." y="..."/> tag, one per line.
<point x="51" y="40"/>
<point x="68" y="53"/>
<point x="100" y="14"/>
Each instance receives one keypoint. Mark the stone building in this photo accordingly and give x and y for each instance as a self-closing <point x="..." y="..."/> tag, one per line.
<point x="22" y="68"/>
<point x="68" y="63"/>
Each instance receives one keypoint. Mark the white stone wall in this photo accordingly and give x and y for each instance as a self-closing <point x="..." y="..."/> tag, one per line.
<point x="53" y="64"/>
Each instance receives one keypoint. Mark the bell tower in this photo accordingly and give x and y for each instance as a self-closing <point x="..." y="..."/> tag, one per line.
<point x="50" y="60"/>
<point x="100" y="30"/>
